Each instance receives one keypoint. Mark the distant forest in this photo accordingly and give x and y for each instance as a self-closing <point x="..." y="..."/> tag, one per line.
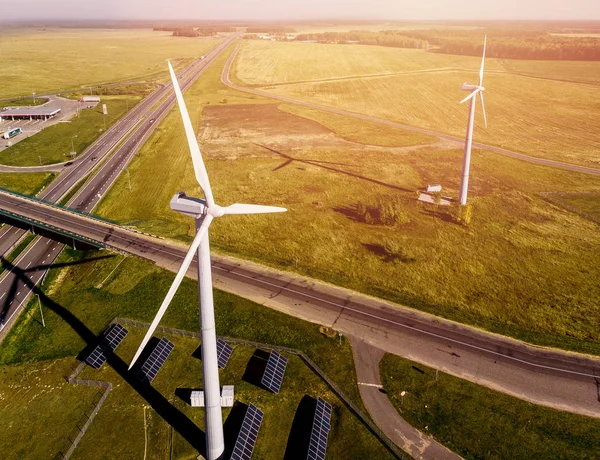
<point x="507" y="44"/>
<point x="391" y="38"/>
<point x="270" y="30"/>
<point x="512" y="44"/>
<point x="195" y="32"/>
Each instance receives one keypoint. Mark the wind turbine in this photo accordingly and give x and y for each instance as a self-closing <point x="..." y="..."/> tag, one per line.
<point x="203" y="211"/>
<point x="464" y="183"/>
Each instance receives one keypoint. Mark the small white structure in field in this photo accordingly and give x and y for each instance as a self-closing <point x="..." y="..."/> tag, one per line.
<point x="426" y="198"/>
<point x="227" y="396"/>
<point x="434" y="188"/>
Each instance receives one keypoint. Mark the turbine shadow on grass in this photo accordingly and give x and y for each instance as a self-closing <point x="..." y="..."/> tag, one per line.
<point x="179" y="421"/>
<point x="299" y="438"/>
<point x="21" y="276"/>
<point x="323" y="164"/>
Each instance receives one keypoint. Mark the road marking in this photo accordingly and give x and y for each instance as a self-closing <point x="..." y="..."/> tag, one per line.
<point x="370" y="385"/>
<point x="406" y="326"/>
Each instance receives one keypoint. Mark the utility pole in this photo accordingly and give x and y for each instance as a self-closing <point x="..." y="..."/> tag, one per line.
<point x="41" y="312"/>
<point x="33" y="93"/>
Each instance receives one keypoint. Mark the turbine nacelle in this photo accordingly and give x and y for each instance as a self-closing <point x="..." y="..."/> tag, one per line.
<point x="193" y="207"/>
<point x="468" y="87"/>
<point x="196" y="207"/>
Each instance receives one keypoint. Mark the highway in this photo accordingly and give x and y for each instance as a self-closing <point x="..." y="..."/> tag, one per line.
<point x="459" y="140"/>
<point x="128" y="135"/>
<point x="554" y="378"/>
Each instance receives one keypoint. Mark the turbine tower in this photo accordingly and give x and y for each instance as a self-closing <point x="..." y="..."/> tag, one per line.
<point x="204" y="211"/>
<point x="464" y="183"/>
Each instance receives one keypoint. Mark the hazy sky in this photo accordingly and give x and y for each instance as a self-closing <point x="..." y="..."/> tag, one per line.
<point x="13" y="10"/>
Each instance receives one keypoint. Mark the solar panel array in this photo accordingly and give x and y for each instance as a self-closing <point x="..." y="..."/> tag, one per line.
<point x="246" y="440"/>
<point x="273" y="376"/>
<point x="320" y="431"/>
<point x="224" y="351"/>
<point x="109" y="341"/>
<point x="155" y="361"/>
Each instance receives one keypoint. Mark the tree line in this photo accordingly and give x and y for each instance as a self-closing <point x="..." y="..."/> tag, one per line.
<point x="511" y="44"/>
<point x="502" y="43"/>
<point x="194" y="32"/>
<point x="383" y="38"/>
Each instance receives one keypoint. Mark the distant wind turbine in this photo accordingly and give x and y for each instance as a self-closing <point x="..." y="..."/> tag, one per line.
<point x="464" y="183"/>
<point x="204" y="211"/>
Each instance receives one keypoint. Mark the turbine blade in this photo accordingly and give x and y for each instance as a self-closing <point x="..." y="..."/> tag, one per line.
<point x="199" y="168"/>
<point x="470" y="96"/>
<point x="238" y="208"/>
<point x="482" y="60"/>
<point x="173" y="289"/>
<point x="483" y="109"/>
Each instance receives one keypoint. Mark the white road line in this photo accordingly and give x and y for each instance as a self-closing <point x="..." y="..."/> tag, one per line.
<point x="433" y="334"/>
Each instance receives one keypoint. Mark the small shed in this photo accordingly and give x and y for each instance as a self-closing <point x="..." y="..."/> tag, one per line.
<point x="227" y="396"/>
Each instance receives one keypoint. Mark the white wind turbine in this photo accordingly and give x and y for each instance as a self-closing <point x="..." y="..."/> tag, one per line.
<point x="464" y="183"/>
<point x="204" y="211"/>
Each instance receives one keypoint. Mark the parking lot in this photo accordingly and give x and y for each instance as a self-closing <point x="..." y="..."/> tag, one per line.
<point x="30" y="127"/>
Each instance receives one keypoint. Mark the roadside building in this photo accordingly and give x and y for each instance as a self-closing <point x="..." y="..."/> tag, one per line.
<point x="28" y="113"/>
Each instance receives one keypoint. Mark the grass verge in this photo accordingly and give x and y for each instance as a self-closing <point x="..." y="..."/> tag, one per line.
<point x="477" y="422"/>
<point x="27" y="183"/>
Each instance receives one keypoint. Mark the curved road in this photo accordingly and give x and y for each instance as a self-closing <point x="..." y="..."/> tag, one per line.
<point x="520" y="156"/>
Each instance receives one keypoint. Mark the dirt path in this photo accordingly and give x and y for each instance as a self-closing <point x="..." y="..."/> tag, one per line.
<point x="384" y="414"/>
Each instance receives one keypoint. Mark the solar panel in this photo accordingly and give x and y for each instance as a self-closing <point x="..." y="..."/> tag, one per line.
<point x="246" y="440"/>
<point x="109" y="341"/>
<point x="273" y="376"/>
<point x="320" y="431"/>
<point x="224" y="351"/>
<point x="155" y="361"/>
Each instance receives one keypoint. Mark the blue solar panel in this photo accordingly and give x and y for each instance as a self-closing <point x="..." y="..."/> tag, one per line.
<point x="320" y="430"/>
<point x="109" y="341"/>
<point x="274" y="372"/>
<point x="155" y="361"/>
<point x="224" y="351"/>
<point x="246" y="440"/>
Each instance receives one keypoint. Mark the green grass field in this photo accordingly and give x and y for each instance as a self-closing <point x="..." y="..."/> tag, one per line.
<point x="80" y="301"/>
<point x="477" y="422"/>
<point x="59" y="59"/>
<point x="53" y="144"/>
<point x="39" y="408"/>
<point x="524" y="267"/>
<point x="28" y="183"/>
<point x="586" y="203"/>
<point x="423" y="89"/>
<point x="29" y="102"/>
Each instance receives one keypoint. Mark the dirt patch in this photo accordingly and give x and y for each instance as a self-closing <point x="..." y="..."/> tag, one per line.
<point x="265" y="131"/>
<point x="256" y="121"/>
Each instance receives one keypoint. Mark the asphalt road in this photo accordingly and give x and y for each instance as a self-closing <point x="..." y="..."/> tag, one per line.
<point x="419" y="445"/>
<point x="520" y="156"/>
<point x="138" y="124"/>
<point x="550" y="377"/>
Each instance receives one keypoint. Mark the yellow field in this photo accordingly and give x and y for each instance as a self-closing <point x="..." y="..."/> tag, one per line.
<point x="541" y="117"/>
<point x="47" y="60"/>
<point x="524" y="267"/>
